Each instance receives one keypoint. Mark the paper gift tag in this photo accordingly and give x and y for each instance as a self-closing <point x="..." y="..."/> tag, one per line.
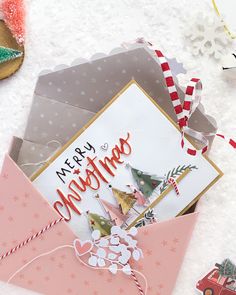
<point x="117" y="168"/>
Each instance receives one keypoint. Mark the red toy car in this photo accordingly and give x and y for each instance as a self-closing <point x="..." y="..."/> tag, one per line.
<point x="214" y="284"/>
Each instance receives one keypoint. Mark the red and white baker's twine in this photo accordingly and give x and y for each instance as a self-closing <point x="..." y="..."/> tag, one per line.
<point x="172" y="182"/>
<point x="22" y="244"/>
<point x="185" y="110"/>
<point x="137" y="283"/>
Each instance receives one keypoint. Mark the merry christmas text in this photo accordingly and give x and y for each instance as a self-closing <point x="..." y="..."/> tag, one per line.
<point x="94" y="174"/>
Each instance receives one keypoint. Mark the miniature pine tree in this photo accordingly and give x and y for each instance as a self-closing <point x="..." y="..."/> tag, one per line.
<point x="146" y="183"/>
<point x="99" y="222"/>
<point x="227" y="269"/>
<point x="7" y="54"/>
<point x="14" y="16"/>
<point x="125" y="200"/>
<point x="114" y="213"/>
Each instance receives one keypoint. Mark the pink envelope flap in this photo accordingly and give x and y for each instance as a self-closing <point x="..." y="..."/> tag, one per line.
<point x="23" y="211"/>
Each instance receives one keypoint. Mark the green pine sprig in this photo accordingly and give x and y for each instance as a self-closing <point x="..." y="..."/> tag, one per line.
<point x="148" y="218"/>
<point x="149" y="215"/>
<point x="140" y="223"/>
<point x="174" y="173"/>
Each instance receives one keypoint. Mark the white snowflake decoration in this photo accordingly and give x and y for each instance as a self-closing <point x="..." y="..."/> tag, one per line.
<point x="208" y="36"/>
<point x="114" y="252"/>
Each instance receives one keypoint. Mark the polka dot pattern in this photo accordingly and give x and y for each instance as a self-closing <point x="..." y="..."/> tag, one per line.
<point x="74" y="94"/>
<point x="53" y="119"/>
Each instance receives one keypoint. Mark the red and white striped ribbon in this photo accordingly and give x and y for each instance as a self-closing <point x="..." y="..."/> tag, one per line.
<point x="172" y="182"/>
<point x="185" y="110"/>
<point x="31" y="238"/>
<point x="137" y="283"/>
<point x="228" y="140"/>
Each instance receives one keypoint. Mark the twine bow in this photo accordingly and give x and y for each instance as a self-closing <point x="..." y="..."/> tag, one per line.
<point x="184" y="111"/>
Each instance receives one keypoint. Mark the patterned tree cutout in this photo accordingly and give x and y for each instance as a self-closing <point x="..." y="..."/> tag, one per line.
<point x="141" y="200"/>
<point x="114" y="213"/>
<point x="125" y="200"/>
<point x="98" y="222"/>
<point x="146" y="182"/>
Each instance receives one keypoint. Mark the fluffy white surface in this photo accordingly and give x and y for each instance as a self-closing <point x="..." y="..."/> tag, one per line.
<point x="59" y="31"/>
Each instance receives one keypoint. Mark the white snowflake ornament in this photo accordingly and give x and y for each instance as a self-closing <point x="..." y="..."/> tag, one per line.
<point x="208" y="36"/>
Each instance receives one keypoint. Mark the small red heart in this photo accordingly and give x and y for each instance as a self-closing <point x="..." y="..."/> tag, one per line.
<point x="82" y="247"/>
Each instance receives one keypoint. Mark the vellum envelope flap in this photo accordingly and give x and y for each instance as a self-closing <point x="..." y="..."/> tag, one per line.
<point x="24" y="211"/>
<point x="29" y="155"/>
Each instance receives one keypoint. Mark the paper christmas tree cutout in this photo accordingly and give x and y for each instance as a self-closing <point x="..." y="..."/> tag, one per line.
<point x="114" y="213"/>
<point x="7" y="54"/>
<point x="125" y="200"/>
<point x="164" y="245"/>
<point x="99" y="222"/>
<point x="141" y="200"/>
<point x="146" y="183"/>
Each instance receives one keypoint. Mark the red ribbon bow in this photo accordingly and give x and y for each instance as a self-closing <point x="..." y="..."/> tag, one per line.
<point x="185" y="110"/>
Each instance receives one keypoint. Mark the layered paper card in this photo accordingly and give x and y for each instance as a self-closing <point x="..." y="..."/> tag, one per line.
<point x="116" y="169"/>
<point x="48" y="264"/>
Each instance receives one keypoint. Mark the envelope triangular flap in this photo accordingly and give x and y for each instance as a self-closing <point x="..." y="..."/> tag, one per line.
<point x="23" y="209"/>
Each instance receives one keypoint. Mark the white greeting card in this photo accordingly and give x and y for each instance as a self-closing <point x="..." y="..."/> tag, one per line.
<point x="117" y="168"/>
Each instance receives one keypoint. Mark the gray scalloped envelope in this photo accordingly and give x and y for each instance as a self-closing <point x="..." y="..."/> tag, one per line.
<point x="67" y="98"/>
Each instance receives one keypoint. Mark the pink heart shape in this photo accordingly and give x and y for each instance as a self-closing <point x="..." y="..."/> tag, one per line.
<point x="82" y="247"/>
